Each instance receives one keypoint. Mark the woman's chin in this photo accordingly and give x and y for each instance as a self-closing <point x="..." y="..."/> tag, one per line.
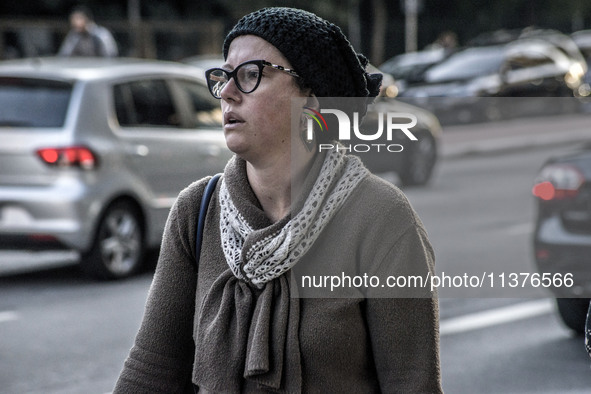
<point x="236" y="145"/>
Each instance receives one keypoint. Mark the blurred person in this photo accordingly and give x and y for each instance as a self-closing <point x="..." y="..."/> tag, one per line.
<point x="447" y="41"/>
<point x="235" y="322"/>
<point x="86" y="38"/>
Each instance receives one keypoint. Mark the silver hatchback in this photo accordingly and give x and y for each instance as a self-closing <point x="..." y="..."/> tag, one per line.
<point x="93" y="153"/>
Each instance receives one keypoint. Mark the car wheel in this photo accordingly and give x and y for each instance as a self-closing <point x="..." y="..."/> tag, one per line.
<point x="420" y="161"/>
<point x="118" y="246"/>
<point x="573" y="312"/>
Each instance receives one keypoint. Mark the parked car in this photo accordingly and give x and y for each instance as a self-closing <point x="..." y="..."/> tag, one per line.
<point x="93" y="154"/>
<point x="582" y="39"/>
<point x="566" y="44"/>
<point x="562" y="236"/>
<point x="409" y="67"/>
<point x="415" y="164"/>
<point x="530" y="68"/>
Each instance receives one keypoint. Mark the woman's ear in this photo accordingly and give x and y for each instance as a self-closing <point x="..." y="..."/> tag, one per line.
<point x="312" y="102"/>
<point x="307" y="136"/>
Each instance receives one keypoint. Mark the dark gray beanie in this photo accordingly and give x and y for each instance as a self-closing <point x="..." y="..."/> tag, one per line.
<point x="317" y="50"/>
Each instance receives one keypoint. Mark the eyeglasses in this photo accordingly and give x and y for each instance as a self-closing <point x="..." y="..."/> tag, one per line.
<point x="247" y="76"/>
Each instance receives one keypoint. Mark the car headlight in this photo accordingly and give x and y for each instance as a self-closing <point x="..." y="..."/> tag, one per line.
<point x="584" y="90"/>
<point x="574" y="75"/>
<point x="391" y="91"/>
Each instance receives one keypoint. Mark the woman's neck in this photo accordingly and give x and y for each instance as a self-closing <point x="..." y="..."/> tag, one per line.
<point x="273" y="183"/>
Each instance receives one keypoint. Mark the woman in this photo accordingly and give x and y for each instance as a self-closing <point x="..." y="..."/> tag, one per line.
<point x="237" y="323"/>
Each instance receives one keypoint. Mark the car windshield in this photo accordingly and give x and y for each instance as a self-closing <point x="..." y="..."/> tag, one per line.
<point x="470" y="63"/>
<point x="31" y="102"/>
<point x="402" y="66"/>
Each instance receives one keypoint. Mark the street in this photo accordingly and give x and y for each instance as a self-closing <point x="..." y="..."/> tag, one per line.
<point x="479" y="214"/>
<point x="63" y="333"/>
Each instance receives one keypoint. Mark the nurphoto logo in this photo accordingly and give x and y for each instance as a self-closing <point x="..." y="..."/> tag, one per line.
<point x="312" y="114"/>
<point x="394" y="122"/>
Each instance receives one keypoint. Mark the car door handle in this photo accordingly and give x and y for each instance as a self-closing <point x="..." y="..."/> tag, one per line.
<point x="139" y="150"/>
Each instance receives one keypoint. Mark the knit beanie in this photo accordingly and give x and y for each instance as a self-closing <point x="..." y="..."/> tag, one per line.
<point x="317" y="50"/>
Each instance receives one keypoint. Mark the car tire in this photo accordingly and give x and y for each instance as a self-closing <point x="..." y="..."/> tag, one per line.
<point x="573" y="312"/>
<point x="118" y="248"/>
<point x="419" y="163"/>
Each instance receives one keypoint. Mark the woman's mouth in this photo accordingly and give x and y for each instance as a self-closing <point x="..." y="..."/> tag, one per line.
<point x="231" y="119"/>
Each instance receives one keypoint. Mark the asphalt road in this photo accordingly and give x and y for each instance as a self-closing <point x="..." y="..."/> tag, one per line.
<point x="479" y="214"/>
<point x="62" y="333"/>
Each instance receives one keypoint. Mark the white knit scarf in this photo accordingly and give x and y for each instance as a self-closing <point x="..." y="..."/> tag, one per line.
<point x="274" y="255"/>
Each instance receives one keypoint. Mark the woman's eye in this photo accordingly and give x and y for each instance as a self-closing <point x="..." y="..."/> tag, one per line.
<point x="252" y="74"/>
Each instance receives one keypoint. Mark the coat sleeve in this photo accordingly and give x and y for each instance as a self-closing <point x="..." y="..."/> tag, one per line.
<point x="162" y="356"/>
<point x="68" y="44"/>
<point x="108" y="44"/>
<point x="404" y="332"/>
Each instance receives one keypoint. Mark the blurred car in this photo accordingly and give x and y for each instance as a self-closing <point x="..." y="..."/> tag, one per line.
<point x="95" y="151"/>
<point x="582" y="39"/>
<point x="562" y="236"/>
<point x="525" y="68"/>
<point x="408" y="67"/>
<point x="415" y="164"/>
<point x="561" y="41"/>
<point x="576" y="47"/>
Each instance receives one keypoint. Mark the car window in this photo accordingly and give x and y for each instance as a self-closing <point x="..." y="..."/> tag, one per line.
<point x="403" y="66"/>
<point x="31" y="102"/>
<point x="205" y="110"/>
<point x="145" y="103"/>
<point x="467" y="64"/>
<point x="524" y="61"/>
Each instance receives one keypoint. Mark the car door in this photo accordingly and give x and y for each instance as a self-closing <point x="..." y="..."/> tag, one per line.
<point x="202" y="118"/>
<point x="163" y="146"/>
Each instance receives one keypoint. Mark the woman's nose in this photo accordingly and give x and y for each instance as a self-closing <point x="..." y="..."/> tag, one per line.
<point x="230" y="91"/>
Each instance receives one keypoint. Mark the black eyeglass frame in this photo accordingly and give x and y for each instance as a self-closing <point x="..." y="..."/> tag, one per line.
<point x="232" y="74"/>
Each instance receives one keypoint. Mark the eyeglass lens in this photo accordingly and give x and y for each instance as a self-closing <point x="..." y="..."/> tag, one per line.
<point x="247" y="77"/>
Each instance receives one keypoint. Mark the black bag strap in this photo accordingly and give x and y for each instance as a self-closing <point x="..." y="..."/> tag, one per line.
<point x="209" y="189"/>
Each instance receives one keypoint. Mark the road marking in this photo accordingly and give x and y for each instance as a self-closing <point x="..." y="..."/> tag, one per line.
<point x="479" y="320"/>
<point x="8" y="316"/>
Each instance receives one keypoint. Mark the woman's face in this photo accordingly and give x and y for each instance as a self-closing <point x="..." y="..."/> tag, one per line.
<point x="257" y="125"/>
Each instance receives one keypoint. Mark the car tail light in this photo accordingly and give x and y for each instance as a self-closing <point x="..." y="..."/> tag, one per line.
<point x="558" y="182"/>
<point x="72" y="156"/>
<point x="542" y="254"/>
